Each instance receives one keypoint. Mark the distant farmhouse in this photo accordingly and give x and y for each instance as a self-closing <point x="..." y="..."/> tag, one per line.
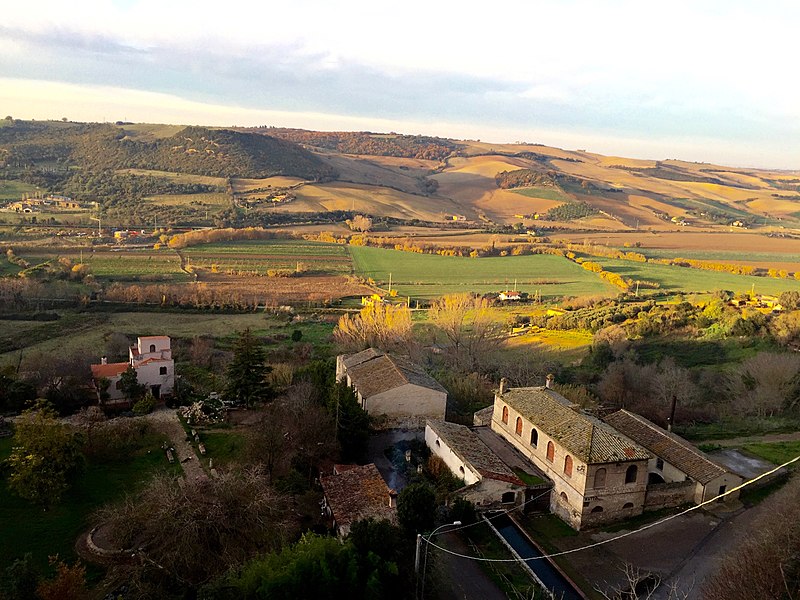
<point x="151" y="358"/>
<point x="392" y="386"/>
<point x="598" y="471"/>
<point x="49" y="204"/>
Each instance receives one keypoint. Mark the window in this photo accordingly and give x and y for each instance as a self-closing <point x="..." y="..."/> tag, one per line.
<point x="722" y="489"/>
<point x="162" y="370"/>
<point x="438" y="444"/>
<point x="534" y="437"/>
<point x="118" y="384"/>
<point x="597" y="509"/>
<point x="568" y="466"/>
<point x="551" y="451"/>
<point x="660" y="464"/>
<point x="563" y="497"/>
<point x="505" y="415"/>
<point x="518" y="428"/>
<point x="152" y="347"/>
<point x="631" y="473"/>
<point x="600" y="478"/>
<point x="627" y="505"/>
<point x="461" y="469"/>
<point x="507" y="498"/>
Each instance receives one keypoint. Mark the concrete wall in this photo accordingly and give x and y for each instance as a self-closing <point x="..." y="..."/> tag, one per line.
<point x="457" y="466"/>
<point x="488" y="493"/>
<point x="162" y="344"/>
<point x="711" y="489"/>
<point x="407" y="401"/>
<point x="669" y="472"/>
<point x="150" y="375"/>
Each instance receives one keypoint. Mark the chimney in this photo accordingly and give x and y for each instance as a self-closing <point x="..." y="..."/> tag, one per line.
<point x="103" y="360"/>
<point x="503" y="384"/>
<point x="548" y="382"/>
<point x="392" y="499"/>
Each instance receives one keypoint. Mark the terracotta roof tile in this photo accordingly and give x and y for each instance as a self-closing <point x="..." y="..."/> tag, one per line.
<point x="374" y="372"/>
<point x="583" y="435"/>
<point x="357" y="493"/>
<point x="109" y="370"/>
<point x="668" y="446"/>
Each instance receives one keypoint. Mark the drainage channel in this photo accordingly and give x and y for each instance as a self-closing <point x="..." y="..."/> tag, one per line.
<point x="543" y="571"/>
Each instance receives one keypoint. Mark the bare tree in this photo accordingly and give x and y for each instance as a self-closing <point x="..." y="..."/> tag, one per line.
<point x="765" y="384"/>
<point x="471" y="326"/>
<point x="642" y="585"/>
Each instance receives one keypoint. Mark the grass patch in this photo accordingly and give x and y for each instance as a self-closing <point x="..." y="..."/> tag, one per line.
<point x="431" y="275"/>
<point x="53" y="531"/>
<point x="527" y="478"/>
<point x="223" y="447"/>
<point x="776" y="452"/>
<point x="11" y="189"/>
<point x="734" y="427"/>
<point x="754" y="494"/>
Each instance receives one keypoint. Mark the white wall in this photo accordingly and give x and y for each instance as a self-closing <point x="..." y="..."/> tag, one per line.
<point x="457" y="466"/>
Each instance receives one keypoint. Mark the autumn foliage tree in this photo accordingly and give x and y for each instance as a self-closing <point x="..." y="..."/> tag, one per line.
<point x="379" y="325"/>
<point x="470" y="325"/>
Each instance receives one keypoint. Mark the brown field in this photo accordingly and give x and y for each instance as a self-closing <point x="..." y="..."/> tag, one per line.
<point x="381" y="171"/>
<point x="177" y="177"/>
<point x="286" y="290"/>
<point x="369" y="199"/>
<point x="241" y="185"/>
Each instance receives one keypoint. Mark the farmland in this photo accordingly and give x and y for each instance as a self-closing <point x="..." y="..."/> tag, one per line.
<point x="428" y="276"/>
<point x="13" y="190"/>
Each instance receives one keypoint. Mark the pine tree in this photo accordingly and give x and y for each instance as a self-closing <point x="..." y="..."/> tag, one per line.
<point x="246" y="375"/>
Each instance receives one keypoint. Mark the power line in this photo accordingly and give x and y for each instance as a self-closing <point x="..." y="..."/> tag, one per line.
<point x="622" y="535"/>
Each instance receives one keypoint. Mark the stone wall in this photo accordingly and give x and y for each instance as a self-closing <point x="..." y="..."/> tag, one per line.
<point x="664" y="495"/>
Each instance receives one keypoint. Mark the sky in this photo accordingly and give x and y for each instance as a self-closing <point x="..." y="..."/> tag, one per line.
<point x="707" y="81"/>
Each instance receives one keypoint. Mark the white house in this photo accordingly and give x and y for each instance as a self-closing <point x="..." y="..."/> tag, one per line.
<point x="392" y="386"/>
<point x="151" y="358"/>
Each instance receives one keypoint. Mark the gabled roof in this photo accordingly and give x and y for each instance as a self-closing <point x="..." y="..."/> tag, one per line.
<point x="667" y="446"/>
<point x="109" y="370"/>
<point x="357" y="493"/>
<point x="473" y="451"/>
<point x="373" y="372"/>
<point x="588" y="438"/>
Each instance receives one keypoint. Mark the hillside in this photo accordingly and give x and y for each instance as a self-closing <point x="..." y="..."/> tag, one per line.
<point x="271" y="172"/>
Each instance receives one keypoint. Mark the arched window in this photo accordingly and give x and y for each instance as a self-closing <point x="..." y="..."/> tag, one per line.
<point x="551" y="451"/>
<point x="563" y="497"/>
<point x="505" y="415"/>
<point x="631" y="473"/>
<point x="518" y="428"/>
<point x="627" y="505"/>
<point x="534" y="437"/>
<point x="568" y="466"/>
<point x="600" y="478"/>
<point x="597" y="509"/>
<point x="152" y="347"/>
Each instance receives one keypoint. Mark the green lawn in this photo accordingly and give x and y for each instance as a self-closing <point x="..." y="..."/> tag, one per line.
<point x="13" y="190"/>
<point x="672" y="278"/>
<point x="734" y="256"/>
<point x="431" y="275"/>
<point x="777" y="452"/>
<point x="223" y="447"/>
<point x="28" y="528"/>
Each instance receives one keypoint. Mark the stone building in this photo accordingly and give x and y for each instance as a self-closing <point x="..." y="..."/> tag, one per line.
<point x="674" y="461"/>
<point x="598" y="475"/>
<point x="151" y="358"/>
<point x="488" y="482"/>
<point x="392" y="386"/>
<point x="353" y="493"/>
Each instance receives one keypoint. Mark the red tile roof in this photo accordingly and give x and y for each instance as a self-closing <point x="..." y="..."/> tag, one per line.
<point x="357" y="493"/>
<point x="109" y="370"/>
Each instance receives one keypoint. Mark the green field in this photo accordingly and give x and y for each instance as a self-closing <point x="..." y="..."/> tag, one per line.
<point x="430" y="275"/>
<point x="11" y="190"/>
<point x="200" y="201"/>
<point x="777" y="452"/>
<point x="262" y="255"/>
<point x="75" y="332"/>
<point x="125" y="265"/>
<point x="683" y="279"/>
<point x="548" y="193"/>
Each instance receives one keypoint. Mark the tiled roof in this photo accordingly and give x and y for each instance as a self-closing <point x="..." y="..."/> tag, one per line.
<point x="357" y="493"/>
<point x="588" y="438"/>
<point x="471" y="449"/>
<point x="109" y="370"/>
<point x="373" y="372"/>
<point x="667" y="446"/>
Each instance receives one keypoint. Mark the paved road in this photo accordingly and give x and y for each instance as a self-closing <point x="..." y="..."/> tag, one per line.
<point x="459" y="578"/>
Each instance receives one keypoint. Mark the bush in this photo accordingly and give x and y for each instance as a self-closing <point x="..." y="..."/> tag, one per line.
<point x="144" y="406"/>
